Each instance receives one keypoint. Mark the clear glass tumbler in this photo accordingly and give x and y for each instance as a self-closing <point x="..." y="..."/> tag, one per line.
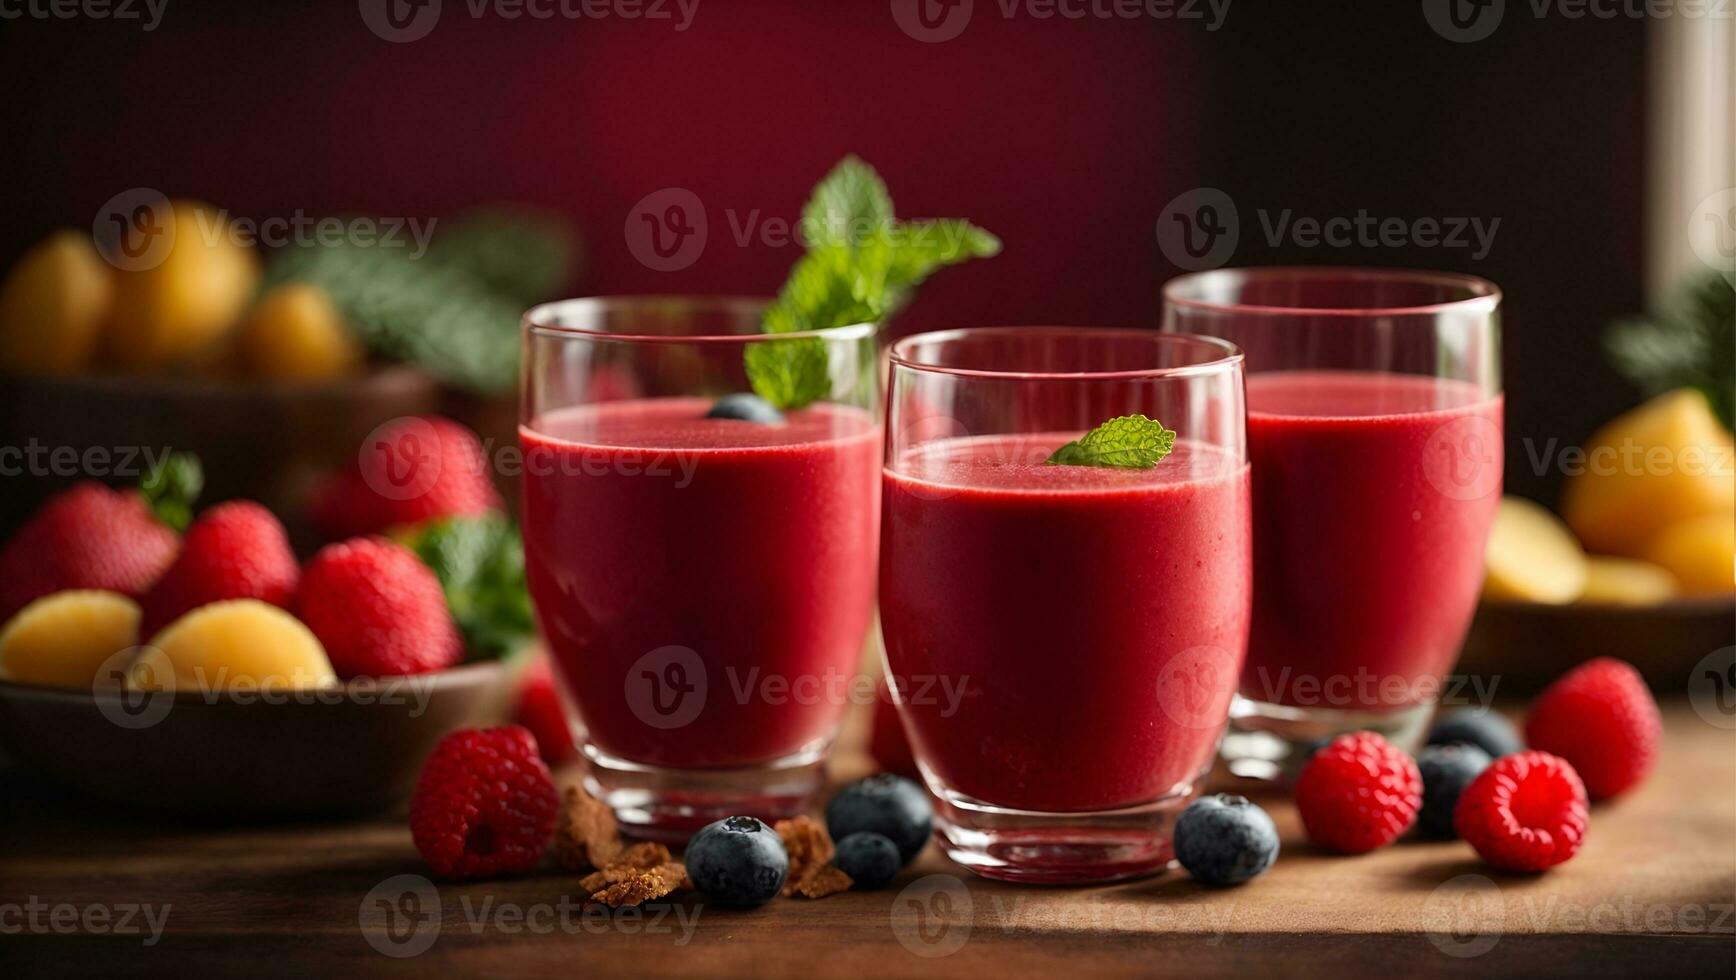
<point x="1374" y="431"/>
<point x="1062" y="641"/>
<point x="704" y="584"/>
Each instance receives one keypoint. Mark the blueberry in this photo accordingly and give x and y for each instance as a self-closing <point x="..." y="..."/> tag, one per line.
<point x="1485" y="729"/>
<point x="1447" y="770"/>
<point x="891" y="806"/>
<point x="746" y="407"/>
<point x="737" y="861"/>
<point x="871" y="860"/>
<point x="1225" y="840"/>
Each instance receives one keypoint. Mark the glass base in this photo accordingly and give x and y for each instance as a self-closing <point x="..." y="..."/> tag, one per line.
<point x="668" y="805"/>
<point x="1032" y="847"/>
<point x="1273" y="741"/>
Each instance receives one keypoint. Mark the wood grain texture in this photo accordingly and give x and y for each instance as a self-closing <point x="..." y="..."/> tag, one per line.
<point x="1652" y="893"/>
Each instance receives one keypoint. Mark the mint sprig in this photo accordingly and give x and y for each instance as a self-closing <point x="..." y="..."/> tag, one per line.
<point x="480" y="564"/>
<point x="171" y="487"/>
<point x="1130" y="442"/>
<point x="860" y="267"/>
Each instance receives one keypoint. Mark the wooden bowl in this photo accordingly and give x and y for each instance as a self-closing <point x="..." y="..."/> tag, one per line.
<point x="224" y="754"/>
<point x="259" y="440"/>
<point x="1530" y="644"/>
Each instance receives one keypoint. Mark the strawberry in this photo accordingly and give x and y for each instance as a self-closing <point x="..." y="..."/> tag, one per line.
<point x="541" y="710"/>
<point x="408" y="470"/>
<point x="377" y="610"/>
<point x="236" y="550"/>
<point x="87" y="537"/>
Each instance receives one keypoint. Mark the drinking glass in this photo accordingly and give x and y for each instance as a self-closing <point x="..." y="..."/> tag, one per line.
<point x="1062" y="641"/>
<point x="704" y="584"/>
<point x="1374" y="432"/>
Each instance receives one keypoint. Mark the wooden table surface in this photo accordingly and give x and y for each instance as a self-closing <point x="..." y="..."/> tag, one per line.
<point x="1652" y="894"/>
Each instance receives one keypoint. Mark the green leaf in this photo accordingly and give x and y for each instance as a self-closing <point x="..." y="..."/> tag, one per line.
<point x="859" y="268"/>
<point x="848" y="206"/>
<point x="520" y="254"/>
<point x="480" y="564"/>
<point x="171" y="487"/>
<point x="1129" y="442"/>
<point x="1691" y="343"/>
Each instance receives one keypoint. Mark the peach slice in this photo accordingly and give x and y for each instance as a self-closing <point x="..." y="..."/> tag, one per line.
<point x="1700" y="553"/>
<point x="1626" y="582"/>
<point x="237" y="644"/>
<point x="1532" y="556"/>
<point x="63" y="639"/>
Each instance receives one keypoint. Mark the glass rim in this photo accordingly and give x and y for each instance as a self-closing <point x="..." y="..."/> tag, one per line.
<point x="1229" y="356"/>
<point x="1484" y="296"/>
<point x="536" y="320"/>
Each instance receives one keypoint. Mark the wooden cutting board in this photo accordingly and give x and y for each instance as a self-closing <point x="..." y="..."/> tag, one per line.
<point x="1652" y="894"/>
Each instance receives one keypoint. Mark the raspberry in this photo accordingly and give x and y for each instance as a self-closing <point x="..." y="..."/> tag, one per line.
<point x="1527" y="812"/>
<point x="1599" y="717"/>
<point x="541" y="710"/>
<point x="409" y="471"/>
<point x="236" y="550"/>
<point x="377" y="610"/>
<point x="484" y="804"/>
<point x="1358" y="793"/>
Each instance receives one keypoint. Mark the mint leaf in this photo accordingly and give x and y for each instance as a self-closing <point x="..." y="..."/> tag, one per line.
<point x="848" y="206"/>
<point x="1129" y="442"/>
<point x="1690" y="343"/>
<point x="480" y="564"/>
<point x="171" y="487"/>
<point x="860" y="267"/>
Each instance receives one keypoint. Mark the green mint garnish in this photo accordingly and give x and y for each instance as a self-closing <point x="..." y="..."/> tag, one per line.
<point x="1131" y="442"/>
<point x="860" y="267"/>
<point x="480" y="564"/>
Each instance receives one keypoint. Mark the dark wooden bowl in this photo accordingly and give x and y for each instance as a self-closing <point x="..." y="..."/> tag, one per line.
<point x="348" y="750"/>
<point x="1530" y="644"/>
<point x="259" y="440"/>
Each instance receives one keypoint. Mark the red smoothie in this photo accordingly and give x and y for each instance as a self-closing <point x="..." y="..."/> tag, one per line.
<point x="1095" y="619"/>
<point x="1373" y="496"/>
<point x="649" y="526"/>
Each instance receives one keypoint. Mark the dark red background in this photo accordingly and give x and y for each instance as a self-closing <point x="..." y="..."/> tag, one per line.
<point x="1066" y="137"/>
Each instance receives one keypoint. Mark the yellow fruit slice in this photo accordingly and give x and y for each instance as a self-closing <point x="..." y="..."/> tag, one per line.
<point x="1700" y="553"/>
<point x="238" y="644"/>
<point x="62" y="639"/>
<point x="52" y="307"/>
<point x="1625" y="582"/>
<point x="295" y="333"/>
<point x="181" y="303"/>
<point x="1532" y="556"/>
<point x="1666" y="461"/>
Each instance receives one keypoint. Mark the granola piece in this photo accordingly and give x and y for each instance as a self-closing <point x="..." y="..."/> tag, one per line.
<point x="808" y="845"/>
<point x="827" y="879"/>
<point x="673" y="872"/>
<point x="587" y="836"/>
<point x="644" y="855"/>
<point x="633" y="886"/>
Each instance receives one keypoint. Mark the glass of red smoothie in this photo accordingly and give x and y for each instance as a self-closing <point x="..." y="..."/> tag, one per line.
<point x="1062" y="640"/>
<point x="1374" y="431"/>
<point x="704" y="583"/>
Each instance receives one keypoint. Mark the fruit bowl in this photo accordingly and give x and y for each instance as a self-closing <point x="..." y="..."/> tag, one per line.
<point x="271" y="439"/>
<point x="1529" y="644"/>
<point x="347" y="749"/>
